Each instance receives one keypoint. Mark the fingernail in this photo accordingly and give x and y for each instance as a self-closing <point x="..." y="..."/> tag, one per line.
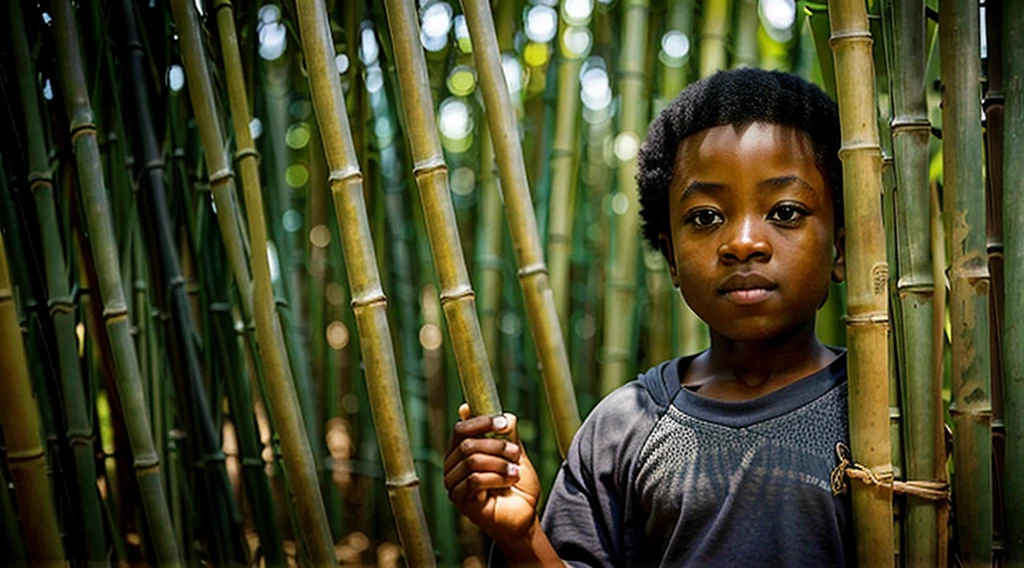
<point x="499" y="422"/>
<point x="513" y="469"/>
<point x="512" y="448"/>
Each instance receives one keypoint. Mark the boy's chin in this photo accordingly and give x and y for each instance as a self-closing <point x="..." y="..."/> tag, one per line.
<point x="763" y="332"/>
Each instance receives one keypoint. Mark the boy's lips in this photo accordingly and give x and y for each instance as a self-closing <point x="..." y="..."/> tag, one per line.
<point x="747" y="288"/>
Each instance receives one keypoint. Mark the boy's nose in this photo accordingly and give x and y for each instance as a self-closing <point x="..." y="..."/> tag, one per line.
<point x="745" y="244"/>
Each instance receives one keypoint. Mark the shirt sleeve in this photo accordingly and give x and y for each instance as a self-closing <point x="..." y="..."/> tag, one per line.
<point x="586" y="517"/>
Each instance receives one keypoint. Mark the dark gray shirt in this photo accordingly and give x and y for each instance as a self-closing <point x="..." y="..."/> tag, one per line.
<point x="659" y="475"/>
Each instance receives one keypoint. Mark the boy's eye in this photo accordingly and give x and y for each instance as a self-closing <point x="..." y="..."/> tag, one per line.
<point x="786" y="213"/>
<point x="705" y="218"/>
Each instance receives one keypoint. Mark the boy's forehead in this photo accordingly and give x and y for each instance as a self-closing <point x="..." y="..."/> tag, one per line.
<point x="704" y="150"/>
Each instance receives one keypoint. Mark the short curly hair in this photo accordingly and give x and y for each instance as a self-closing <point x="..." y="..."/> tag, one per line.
<point x="738" y="97"/>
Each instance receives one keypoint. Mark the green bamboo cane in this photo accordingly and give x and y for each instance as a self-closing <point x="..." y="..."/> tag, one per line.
<point x="714" y="35"/>
<point x="969" y="278"/>
<point x="14" y="553"/>
<point x="61" y="306"/>
<point x="488" y="249"/>
<point x="563" y="164"/>
<point x="620" y="294"/>
<point x="533" y="276"/>
<point x="745" y="51"/>
<point x="26" y="458"/>
<point x="867" y="278"/>
<point x="1013" y="318"/>
<point x="83" y="136"/>
<point x="922" y="394"/>
<point x="993" y="105"/>
<point x="456" y="293"/>
<point x="258" y="298"/>
<point x="368" y="300"/>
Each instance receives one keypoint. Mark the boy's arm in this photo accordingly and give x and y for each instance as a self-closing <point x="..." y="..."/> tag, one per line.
<point x="533" y="549"/>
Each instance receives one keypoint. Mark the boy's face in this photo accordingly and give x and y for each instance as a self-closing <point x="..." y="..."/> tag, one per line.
<point x="753" y="243"/>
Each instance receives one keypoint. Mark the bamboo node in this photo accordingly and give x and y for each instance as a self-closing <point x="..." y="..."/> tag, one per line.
<point x="847" y="468"/>
<point x="25" y="455"/>
<point x="899" y="125"/>
<point x="429" y="165"/>
<point x="532" y="269"/>
<point x="374" y="297"/>
<point x="6" y="294"/>
<point x="156" y="163"/>
<point x="64" y="305"/>
<point x="867" y="319"/>
<point x="913" y="284"/>
<point x="345" y="174"/>
<point x="457" y="293"/>
<point x="403" y="480"/>
<point x="861" y="147"/>
<point x="246" y="153"/>
<point x="81" y="129"/>
<point x="852" y="37"/>
<point x="220" y="175"/>
<point x="115" y="312"/>
<point x="36" y="178"/>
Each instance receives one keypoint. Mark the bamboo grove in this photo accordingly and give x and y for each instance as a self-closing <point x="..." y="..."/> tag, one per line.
<point x="255" y="253"/>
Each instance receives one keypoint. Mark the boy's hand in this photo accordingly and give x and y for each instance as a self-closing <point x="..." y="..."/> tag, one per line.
<point x="491" y="480"/>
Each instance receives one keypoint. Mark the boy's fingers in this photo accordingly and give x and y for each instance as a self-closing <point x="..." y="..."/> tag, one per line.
<point x="493" y="446"/>
<point x="478" y="482"/>
<point x="475" y="426"/>
<point x="479" y="463"/>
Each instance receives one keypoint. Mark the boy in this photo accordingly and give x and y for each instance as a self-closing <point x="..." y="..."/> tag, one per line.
<point x="723" y="458"/>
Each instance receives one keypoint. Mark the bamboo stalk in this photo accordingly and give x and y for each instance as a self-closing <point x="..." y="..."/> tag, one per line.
<point x="488" y="249"/>
<point x="993" y="106"/>
<point x="714" y="35"/>
<point x="532" y="273"/>
<point x="60" y="303"/>
<point x="964" y="198"/>
<point x="1013" y="318"/>
<point x="867" y="278"/>
<point x="368" y="300"/>
<point x="129" y="382"/>
<point x="456" y="293"/>
<point x="745" y="52"/>
<point x="26" y="458"/>
<point x="921" y="392"/>
<point x="563" y="164"/>
<point x="258" y="296"/>
<point x="620" y="294"/>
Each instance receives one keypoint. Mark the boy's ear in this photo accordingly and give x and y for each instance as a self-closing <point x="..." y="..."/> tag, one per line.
<point x="665" y="244"/>
<point x="839" y="262"/>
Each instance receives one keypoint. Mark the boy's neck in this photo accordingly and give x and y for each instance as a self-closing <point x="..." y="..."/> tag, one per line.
<point x="734" y="370"/>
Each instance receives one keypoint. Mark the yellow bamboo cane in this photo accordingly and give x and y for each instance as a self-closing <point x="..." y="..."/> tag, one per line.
<point x="431" y="172"/>
<point x="533" y="276"/>
<point x="368" y="300"/>
<point x="19" y="416"/>
<point x="867" y="277"/>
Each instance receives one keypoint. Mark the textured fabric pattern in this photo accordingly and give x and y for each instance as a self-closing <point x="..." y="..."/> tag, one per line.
<point x="689" y="481"/>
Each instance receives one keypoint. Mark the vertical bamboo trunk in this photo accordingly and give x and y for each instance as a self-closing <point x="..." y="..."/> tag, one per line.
<point x="745" y="53"/>
<point x="922" y="392"/>
<point x="60" y="302"/>
<point x="295" y="445"/>
<point x="1013" y="318"/>
<point x="488" y="248"/>
<point x="563" y="163"/>
<point x="532" y="273"/>
<point x="620" y="293"/>
<point x="969" y="278"/>
<point x="368" y="300"/>
<point x="993" y="105"/>
<point x="19" y="415"/>
<point x="867" y="279"/>
<point x="457" y="297"/>
<point x="95" y="203"/>
<point x="714" y="35"/>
